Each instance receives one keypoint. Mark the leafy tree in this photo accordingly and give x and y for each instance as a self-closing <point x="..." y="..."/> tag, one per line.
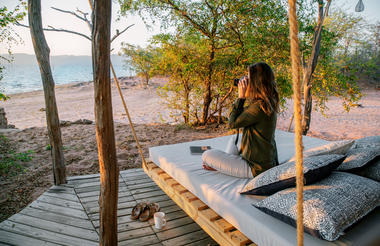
<point x="140" y="59"/>
<point x="7" y="35"/>
<point x="226" y="36"/>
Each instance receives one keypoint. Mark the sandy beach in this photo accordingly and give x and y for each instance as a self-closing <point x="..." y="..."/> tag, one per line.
<point x="153" y="125"/>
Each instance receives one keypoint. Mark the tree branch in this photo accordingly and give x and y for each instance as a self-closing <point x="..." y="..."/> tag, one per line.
<point x="187" y="17"/>
<point x="76" y="15"/>
<point x="52" y="29"/>
<point x="119" y="33"/>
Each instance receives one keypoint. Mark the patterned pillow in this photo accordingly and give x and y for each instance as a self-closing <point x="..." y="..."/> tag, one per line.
<point x="358" y="158"/>
<point x="371" y="171"/>
<point x="284" y="176"/>
<point x="367" y="142"/>
<point x="330" y="206"/>
<point x="338" y="147"/>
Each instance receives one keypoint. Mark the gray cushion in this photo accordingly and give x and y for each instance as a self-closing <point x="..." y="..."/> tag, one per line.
<point x="330" y="206"/>
<point x="371" y="171"/>
<point x="367" y="142"/>
<point x="337" y="147"/>
<point x="359" y="158"/>
<point x="284" y="176"/>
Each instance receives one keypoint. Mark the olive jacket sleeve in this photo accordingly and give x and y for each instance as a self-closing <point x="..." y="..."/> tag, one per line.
<point x="243" y="117"/>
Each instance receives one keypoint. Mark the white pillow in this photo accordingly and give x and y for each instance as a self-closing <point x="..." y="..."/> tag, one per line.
<point x="338" y="147"/>
<point x="231" y="146"/>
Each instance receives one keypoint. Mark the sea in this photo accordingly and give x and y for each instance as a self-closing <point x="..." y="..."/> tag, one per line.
<point x="23" y="74"/>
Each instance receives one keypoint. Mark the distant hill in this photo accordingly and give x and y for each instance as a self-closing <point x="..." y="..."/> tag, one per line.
<point x="26" y="59"/>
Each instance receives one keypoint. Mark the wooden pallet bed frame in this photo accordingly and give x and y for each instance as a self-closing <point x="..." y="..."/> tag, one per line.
<point x="218" y="228"/>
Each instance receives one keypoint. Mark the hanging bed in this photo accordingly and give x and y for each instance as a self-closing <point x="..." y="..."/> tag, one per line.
<point x="213" y="199"/>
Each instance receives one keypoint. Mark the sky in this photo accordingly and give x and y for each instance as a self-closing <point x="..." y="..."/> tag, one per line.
<point x="67" y="44"/>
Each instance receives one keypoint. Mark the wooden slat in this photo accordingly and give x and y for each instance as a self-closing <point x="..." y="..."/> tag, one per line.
<point x="185" y="239"/>
<point x="199" y="205"/>
<point x="210" y="214"/>
<point x="44" y="234"/>
<point x="224" y="225"/>
<point x="37" y="213"/>
<point x="179" y="189"/>
<point x="59" y="210"/>
<point x="60" y="202"/>
<point x="55" y="227"/>
<point x="130" y="234"/>
<point x="239" y="238"/>
<point x="177" y="232"/>
<point x="204" y="216"/>
<point x="189" y="196"/>
<point x="13" y="238"/>
<point x="141" y="241"/>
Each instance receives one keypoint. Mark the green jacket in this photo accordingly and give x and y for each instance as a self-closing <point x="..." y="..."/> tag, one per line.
<point x="258" y="146"/>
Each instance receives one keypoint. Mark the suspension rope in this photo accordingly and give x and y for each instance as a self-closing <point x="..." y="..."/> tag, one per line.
<point x="295" y="58"/>
<point x="129" y="117"/>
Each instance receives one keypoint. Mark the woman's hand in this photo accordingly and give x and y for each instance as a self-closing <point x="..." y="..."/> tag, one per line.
<point x="242" y="87"/>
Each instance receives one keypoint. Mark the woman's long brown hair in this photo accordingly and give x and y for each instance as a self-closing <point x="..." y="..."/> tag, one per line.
<point x="262" y="87"/>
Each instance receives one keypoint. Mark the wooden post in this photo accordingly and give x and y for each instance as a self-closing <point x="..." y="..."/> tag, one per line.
<point x="109" y="172"/>
<point x="42" y="52"/>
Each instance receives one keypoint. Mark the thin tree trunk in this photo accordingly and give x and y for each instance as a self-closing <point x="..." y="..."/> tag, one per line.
<point x="207" y="94"/>
<point x="109" y="173"/>
<point x="312" y="64"/>
<point x="42" y="52"/>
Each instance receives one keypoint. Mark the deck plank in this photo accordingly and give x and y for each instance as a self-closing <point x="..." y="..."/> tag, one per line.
<point x="69" y="215"/>
<point x="45" y="235"/>
<point x="12" y="238"/>
<point x="51" y="216"/>
<point x="55" y="227"/>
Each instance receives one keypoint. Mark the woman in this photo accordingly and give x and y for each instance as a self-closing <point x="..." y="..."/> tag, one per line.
<point x="258" y="120"/>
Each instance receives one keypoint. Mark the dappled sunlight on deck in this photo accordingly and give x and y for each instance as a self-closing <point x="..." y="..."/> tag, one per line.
<point x="69" y="215"/>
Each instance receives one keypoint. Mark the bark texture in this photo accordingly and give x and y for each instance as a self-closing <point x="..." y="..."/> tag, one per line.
<point x="109" y="172"/>
<point x="311" y="65"/>
<point x="42" y="52"/>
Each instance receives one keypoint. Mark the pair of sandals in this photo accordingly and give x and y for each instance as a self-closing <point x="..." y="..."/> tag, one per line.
<point x="143" y="211"/>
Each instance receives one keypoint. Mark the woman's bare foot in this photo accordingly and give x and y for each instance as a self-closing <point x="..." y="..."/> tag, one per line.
<point x="208" y="168"/>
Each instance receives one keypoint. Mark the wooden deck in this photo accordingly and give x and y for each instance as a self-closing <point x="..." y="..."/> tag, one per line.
<point x="69" y="215"/>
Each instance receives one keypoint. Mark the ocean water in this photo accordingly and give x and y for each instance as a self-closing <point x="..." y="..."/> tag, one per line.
<point x="23" y="74"/>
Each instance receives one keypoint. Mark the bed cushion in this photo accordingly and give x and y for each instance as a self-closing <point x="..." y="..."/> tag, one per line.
<point x="221" y="193"/>
<point x="330" y="206"/>
<point x="371" y="171"/>
<point x="284" y="176"/>
<point x="358" y="158"/>
<point x="337" y="147"/>
<point x="367" y="142"/>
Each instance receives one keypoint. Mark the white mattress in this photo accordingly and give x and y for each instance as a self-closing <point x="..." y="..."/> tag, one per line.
<point x="221" y="193"/>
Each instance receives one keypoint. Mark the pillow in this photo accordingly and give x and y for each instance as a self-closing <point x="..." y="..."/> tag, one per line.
<point x="338" y="147"/>
<point x="371" y="171"/>
<point x="358" y="158"/>
<point x="284" y="176"/>
<point x="330" y="206"/>
<point x="367" y="142"/>
<point x="231" y="146"/>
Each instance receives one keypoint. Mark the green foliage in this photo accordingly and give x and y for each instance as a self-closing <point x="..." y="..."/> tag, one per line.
<point x="140" y="59"/>
<point x="208" y="43"/>
<point x="7" y="35"/>
<point x="11" y="162"/>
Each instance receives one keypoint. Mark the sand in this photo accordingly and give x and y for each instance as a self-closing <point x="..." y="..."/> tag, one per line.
<point x="153" y="125"/>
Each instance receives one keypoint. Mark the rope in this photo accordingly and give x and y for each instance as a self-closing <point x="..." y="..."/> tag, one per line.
<point x="295" y="58"/>
<point x="129" y="117"/>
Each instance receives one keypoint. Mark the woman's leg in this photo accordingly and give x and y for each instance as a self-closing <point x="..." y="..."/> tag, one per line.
<point x="233" y="165"/>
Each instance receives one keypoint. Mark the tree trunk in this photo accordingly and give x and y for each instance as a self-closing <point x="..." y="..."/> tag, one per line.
<point x="207" y="95"/>
<point x="312" y="64"/>
<point x="186" y="115"/>
<point x="42" y="52"/>
<point x="109" y="173"/>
